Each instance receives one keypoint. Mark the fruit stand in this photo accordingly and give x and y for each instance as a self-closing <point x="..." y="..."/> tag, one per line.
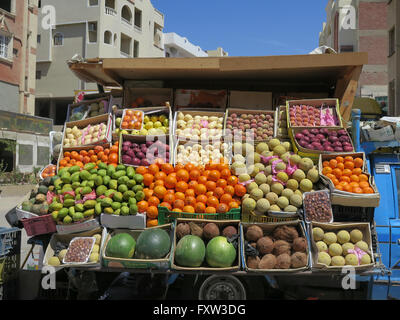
<point x="269" y="191"/>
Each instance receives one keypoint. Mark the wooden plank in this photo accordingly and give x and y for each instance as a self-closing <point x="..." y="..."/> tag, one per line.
<point x="347" y="99"/>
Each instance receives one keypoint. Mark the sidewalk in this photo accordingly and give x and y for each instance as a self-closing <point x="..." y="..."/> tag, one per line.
<point x="11" y="196"/>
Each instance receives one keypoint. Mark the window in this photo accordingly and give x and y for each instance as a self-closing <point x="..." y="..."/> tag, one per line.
<point x="92" y="28"/>
<point x="5" y="47"/>
<point x="38" y="74"/>
<point x="126" y="15"/>
<point x="138" y="18"/>
<point x="392" y="99"/>
<point x="39" y="38"/>
<point x="6" y="5"/>
<point x="346" y="48"/>
<point x="108" y="37"/>
<point x="58" y="39"/>
<point x="392" y="42"/>
<point x="93" y="3"/>
<point x="115" y="40"/>
<point x="39" y="3"/>
<point x="136" y="49"/>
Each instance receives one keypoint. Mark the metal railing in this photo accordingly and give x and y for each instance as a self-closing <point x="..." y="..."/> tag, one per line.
<point x="110" y="11"/>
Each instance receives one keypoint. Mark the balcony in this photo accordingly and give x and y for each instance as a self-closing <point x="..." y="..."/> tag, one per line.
<point x="124" y="55"/>
<point x="127" y="22"/>
<point x="110" y="11"/>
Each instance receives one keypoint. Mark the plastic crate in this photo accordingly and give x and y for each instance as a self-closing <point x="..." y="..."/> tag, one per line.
<point x="252" y="218"/>
<point x="9" y="266"/>
<point x="165" y="216"/>
<point x="353" y="214"/>
<point x="39" y="225"/>
<point x="10" y="241"/>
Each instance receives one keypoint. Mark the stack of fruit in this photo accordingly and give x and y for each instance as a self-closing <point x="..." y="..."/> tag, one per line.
<point x="345" y="247"/>
<point x="132" y="120"/>
<point x="96" y="155"/>
<point x="260" y="124"/>
<point x="346" y="174"/>
<point x="199" y="155"/>
<point x="189" y="189"/>
<point x="61" y="250"/>
<point x="154" y="125"/>
<point x="275" y="178"/>
<point x="37" y="203"/>
<point x="282" y="123"/>
<point x="89" y="135"/>
<point x="81" y="193"/>
<point x="49" y="171"/>
<point x="191" y="249"/>
<point x="310" y="116"/>
<point x="198" y="127"/>
<point x="144" y="154"/>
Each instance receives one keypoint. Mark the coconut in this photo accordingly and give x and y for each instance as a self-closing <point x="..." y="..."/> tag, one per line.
<point x="300" y="244"/>
<point x="253" y="262"/>
<point x="253" y="233"/>
<point x="229" y="231"/>
<point x="287" y="233"/>
<point x="265" y="245"/>
<point x="267" y="262"/>
<point x="182" y="230"/>
<point x="281" y="246"/>
<point x="298" y="260"/>
<point x="283" y="261"/>
<point x="210" y="231"/>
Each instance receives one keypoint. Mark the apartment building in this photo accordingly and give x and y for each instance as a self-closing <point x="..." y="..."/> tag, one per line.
<point x="90" y="28"/>
<point x="177" y="46"/>
<point x="18" y="28"/>
<point x="219" y="52"/>
<point x="393" y="10"/>
<point x="361" y="26"/>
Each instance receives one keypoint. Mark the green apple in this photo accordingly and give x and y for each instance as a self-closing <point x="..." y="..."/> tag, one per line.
<point x="165" y="122"/>
<point x="149" y="125"/>
<point x="118" y="122"/>
<point x="157" y="124"/>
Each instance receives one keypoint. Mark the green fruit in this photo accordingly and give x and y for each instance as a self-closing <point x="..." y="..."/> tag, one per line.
<point x="67" y="219"/>
<point x="130" y="172"/>
<point x="324" y="258"/>
<point x="122" y="245"/>
<point x="74" y="169"/>
<point x="78" y="216"/>
<point x="131" y="183"/>
<point x="110" y="193"/>
<point x="153" y="244"/>
<point x="118" y="197"/>
<point x="100" y="190"/>
<point x="123" y="180"/>
<point x="102" y="166"/>
<point x="93" y="177"/>
<point x="343" y="236"/>
<point x="110" y="170"/>
<point x="89" y="204"/>
<point x="78" y="197"/>
<point x="330" y="238"/>
<point x="102" y="173"/>
<point x="132" y="201"/>
<point x="318" y="234"/>
<point x="133" y="209"/>
<point x="220" y="253"/>
<point x="86" y="190"/>
<point x="106" y="202"/>
<point x="137" y="188"/>
<point x="139" y="196"/>
<point x="54" y="206"/>
<point x="88" y="213"/>
<point x="76" y="185"/>
<point x="108" y="210"/>
<point x="71" y="211"/>
<point x="93" y="171"/>
<point x="84" y="183"/>
<point x="106" y="180"/>
<point x="356" y="235"/>
<point x="116" y="205"/>
<point x="89" y="166"/>
<point x="190" y="251"/>
<point x="54" y="261"/>
<point x="117" y="212"/>
<point x="118" y="174"/>
<point x="79" y="207"/>
<point x="69" y="203"/>
<point x="128" y="194"/>
<point x="58" y="182"/>
<point x="54" y="215"/>
<point x="68" y="197"/>
<point x="75" y="177"/>
<point x="84" y="175"/>
<point x="122" y="188"/>
<point x="63" y="213"/>
<point x="120" y="167"/>
<point x="124" y="211"/>
<point x="90" y="184"/>
<point x="98" y="181"/>
<point x="138" y="178"/>
<point x="113" y="184"/>
<point x="97" y="208"/>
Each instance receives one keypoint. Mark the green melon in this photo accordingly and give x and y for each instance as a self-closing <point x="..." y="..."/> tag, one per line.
<point x="122" y="245"/>
<point x="220" y="253"/>
<point x="153" y="244"/>
<point x="190" y="251"/>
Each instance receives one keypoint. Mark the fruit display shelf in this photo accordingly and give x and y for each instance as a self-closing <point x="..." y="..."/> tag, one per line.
<point x="262" y="123"/>
<point x="200" y="99"/>
<point x="89" y="108"/>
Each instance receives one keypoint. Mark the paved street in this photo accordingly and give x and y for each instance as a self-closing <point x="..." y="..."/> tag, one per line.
<point x="9" y="198"/>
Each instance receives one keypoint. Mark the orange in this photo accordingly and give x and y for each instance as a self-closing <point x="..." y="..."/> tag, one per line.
<point x="229" y="190"/>
<point x="181" y="186"/>
<point x="233" y="204"/>
<point x="348" y="188"/>
<point x="169" y="197"/>
<point x="152" y="212"/>
<point x="209" y="194"/>
<point x="347" y="172"/>
<point x="194" y="174"/>
<point x="368" y="190"/>
<point x="151" y="223"/>
<point x="98" y="149"/>
<point x="141" y="170"/>
<point x="147" y="193"/>
<point x="226" y="198"/>
<point x="176" y="210"/>
<point x="170" y="182"/>
<point x="339" y="187"/>
<point x="73" y="162"/>
<point x="188" y="209"/>
<point x="240" y="190"/>
<point x="344" y="183"/>
<point x="327" y="170"/>
<point x="160" y="192"/>
<point x="190" y="193"/>
<point x="357" y="171"/>
<point x="222" y="183"/>
<point x="192" y="184"/>
<point x="225" y="173"/>
<point x="178" y="203"/>
<point x="357" y="190"/>
<point x="210" y="210"/>
<point x="335" y="182"/>
<point x="159" y="183"/>
<point x="189" y="167"/>
<point x="206" y="173"/>
<point x="153" y="201"/>
<point x="364" y="184"/>
<point x="63" y="162"/>
<point x="354" y="184"/>
<point x="211" y="185"/>
<point x="180" y="196"/>
<point x="179" y="166"/>
<point x="200" y="189"/>
<point x="200" y="207"/>
<point x="325" y="164"/>
<point x="90" y="153"/>
<point x="86" y="159"/>
<point x="345" y="178"/>
<point x="222" y="208"/>
<point x="113" y="158"/>
<point x="167" y="168"/>
<point x="340" y="159"/>
<point x="349" y="158"/>
<point x="219" y="192"/>
<point x="349" y="165"/>
<point x="166" y="205"/>
<point x="333" y="163"/>
<point x="232" y="180"/>
<point x="363" y="177"/>
<point x="214" y="175"/>
<point x="212" y="202"/>
<point x="160" y="176"/>
<point x="340" y="166"/>
<point x="331" y="176"/>
<point x="67" y="154"/>
<point x="68" y="159"/>
<point x="202" y="198"/>
<point x="190" y="201"/>
<point x="148" y="179"/>
<point x="153" y="169"/>
<point x="358" y="163"/>
<point x="202" y="180"/>
<point x="337" y="172"/>
<point x="171" y="191"/>
<point x="182" y="175"/>
<point x="354" y="178"/>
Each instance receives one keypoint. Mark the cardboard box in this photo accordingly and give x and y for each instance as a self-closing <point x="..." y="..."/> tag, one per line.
<point x="163" y="263"/>
<point x="250" y="99"/>
<point x="185" y="98"/>
<point x="78" y="227"/>
<point x="66" y="238"/>
<point x="107" y="99"/>
<point x="268" y="229"/>
<point x="336" y="227"/>
<point x="123" y="222"/>
<point x="221" y="224"/>
<point x="153" y="97"/>
<point x="105" y="119"/>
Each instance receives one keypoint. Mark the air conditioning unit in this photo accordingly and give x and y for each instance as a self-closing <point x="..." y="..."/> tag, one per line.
<point x="92" y="26"/>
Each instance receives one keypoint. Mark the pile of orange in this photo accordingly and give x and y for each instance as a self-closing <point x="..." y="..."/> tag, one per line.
<point x="96" y="155"/>
<point x="188" y="188"/>
<point x="346" y="174"/>
<point x="132" y="120"/>
<point x="49" y="171"/>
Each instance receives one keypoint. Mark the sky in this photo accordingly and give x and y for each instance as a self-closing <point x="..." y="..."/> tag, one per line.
<point x="247" y="28"/>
